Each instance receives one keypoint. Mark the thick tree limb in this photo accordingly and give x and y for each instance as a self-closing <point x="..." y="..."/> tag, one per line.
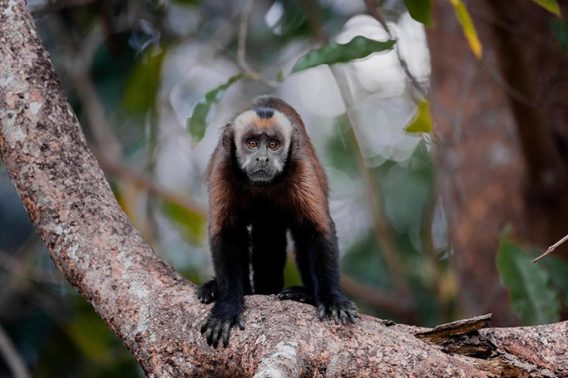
<point x="153" y="310"/>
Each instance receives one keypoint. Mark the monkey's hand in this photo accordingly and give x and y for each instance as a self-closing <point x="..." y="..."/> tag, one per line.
<point x="339" y="308"/>
<point x="207" y="292"/>
<point x="296" y="293"/>
<point x="218" y="324"/>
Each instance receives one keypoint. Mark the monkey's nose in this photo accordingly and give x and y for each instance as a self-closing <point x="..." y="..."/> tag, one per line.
<point x="262" y="160"/>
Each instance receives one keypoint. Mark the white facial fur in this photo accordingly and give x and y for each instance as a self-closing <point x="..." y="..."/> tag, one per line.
<point x="250" y="118"/>
<point x="243" y="120"/>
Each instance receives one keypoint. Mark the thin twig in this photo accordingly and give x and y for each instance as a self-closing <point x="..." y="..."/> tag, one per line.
<point x="374" y="11"/>
<point x="77" y="68"/>
<point x="382" y="229"/>
<point x="311" y="7"/>
<point x="402" y="307"/>
<point x="552" y="248"/>
<point x="243" y="34"/>
<point x="124" y="172"/>
<point x="11" y="356"/>
<point x="242" y="47"/>
<point x="432" y="259"/>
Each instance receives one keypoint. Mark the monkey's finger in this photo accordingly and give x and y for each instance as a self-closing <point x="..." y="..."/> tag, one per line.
<point x="351" y="316"/>
<point x="343" y="316"/>
<point x="241" y="324"/>
<point x="208" y="334"/>
<point x="226" y="333"/>
<point x="203" y="326"/>
<point x="321" y="312"/>
<point x="213" y="338"/>
<point x="335" y="314"/>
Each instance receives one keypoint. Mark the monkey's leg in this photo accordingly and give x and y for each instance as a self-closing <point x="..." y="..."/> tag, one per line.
<point x="207" y="292"/>
<point x="228" y="248"/>
<point x="268" y="257"/>
<point x="318" y="261"/>
<point x="304" y="294"/>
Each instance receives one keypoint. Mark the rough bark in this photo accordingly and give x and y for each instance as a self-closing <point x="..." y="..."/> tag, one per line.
<point x="155" y="312"/>
<point x="503" y="126"/>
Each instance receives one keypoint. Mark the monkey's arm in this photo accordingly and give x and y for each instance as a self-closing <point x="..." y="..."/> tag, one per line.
<point x="228" y="248"/>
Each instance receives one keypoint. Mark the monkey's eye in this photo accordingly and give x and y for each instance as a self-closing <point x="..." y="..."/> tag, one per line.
<point x="252" y="143"/>
<point x="273" y="144"/>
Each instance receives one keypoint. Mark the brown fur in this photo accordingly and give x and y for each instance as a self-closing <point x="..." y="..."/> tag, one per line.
<point x="304" y="186"/>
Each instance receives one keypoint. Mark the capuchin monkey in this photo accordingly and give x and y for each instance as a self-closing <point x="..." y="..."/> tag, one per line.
<point x="265" y="179"/>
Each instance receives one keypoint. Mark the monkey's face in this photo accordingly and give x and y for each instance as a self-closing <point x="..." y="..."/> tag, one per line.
<point x="262" y="139"/>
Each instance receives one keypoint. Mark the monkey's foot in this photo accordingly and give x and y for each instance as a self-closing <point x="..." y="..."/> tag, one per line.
<point x="207" y="292"/>
<point x="340" y="309"/>
<point x="296" y="293"/>
<point x="218" y="327"/>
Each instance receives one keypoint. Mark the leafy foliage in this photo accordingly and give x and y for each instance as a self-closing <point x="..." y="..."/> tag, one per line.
<point x="528" y="284"/>
<point x="197" y="122"/>
<point x="332" y="53"/>
<point x="91" y="335"/>
<point x="549" y="5"/>
<point x="192" y="224"/>
<point x="142" y="86"/>
<point x="422" y="120"/>
<point x="558" y="271"/>
<point x="560" y="29"/>
<point x="420" y="10"/>
<point x="468" y="27"/>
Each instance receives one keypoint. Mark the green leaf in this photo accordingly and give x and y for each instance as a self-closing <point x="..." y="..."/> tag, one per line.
<point x="531" y="297"/>
<point x="197" y="122"/>
<point x="422" y="120"/>
<point x="358" y="47"/>
<point x="144" y="82"/>
<point x="468" y="28"/>
<point x="560" y="29"/>
<point x="558" y="270"/>
<point x="549" y="5"/>
<point x="420" y="10"/>
<point x="192" y="224"/>
<point x="91" y="335"/>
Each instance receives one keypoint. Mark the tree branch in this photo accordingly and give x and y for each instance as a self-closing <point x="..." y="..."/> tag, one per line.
<point x="150" y="307"/>
<point x="11" y="356"/>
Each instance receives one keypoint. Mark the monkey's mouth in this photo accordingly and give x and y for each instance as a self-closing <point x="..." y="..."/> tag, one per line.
<point x="261" y="175"/>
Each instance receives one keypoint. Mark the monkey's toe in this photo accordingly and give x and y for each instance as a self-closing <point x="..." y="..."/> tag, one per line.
<point x="296" y="293"/>
<point x="207" y="292"/>
<point x="341" y="310"/>
<point x="216" y="329"/>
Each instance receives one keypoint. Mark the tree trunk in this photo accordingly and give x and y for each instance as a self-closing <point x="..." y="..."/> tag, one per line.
<point x="155" y="312"/>
<point x="503" y="152"/>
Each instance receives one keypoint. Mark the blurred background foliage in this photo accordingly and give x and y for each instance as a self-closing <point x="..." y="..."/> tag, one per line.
<point x="153" y="81"/>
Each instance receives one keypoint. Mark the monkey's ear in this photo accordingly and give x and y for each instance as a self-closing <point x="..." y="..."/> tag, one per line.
<point x="294" y="142"/>
<point x="227" y="137"/>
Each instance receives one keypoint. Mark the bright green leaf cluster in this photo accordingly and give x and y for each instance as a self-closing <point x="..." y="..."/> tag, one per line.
<point x="197" y="122"/>
<point x="420" y="10"/>
<point x="468" y="28"/>
<point x="91" y="335"/>
<point x="422" y="120"/>
<point x="549" y="5"/>
<point x="331" y="53"/>
<point x="143" y="83"/>
<point x="558" y="270"/>
<point x="532" y="299"/>
<point x="191" y="223"/>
